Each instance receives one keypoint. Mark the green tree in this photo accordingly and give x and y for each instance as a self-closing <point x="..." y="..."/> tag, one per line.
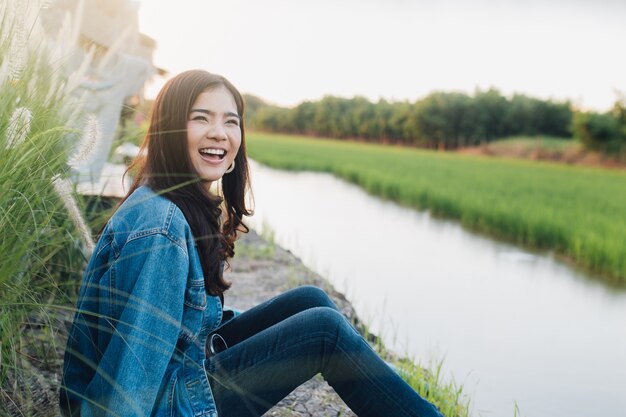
<point x="598" y="131"/>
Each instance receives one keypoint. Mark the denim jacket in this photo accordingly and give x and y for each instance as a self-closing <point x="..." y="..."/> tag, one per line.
<point x="136" y="346"/>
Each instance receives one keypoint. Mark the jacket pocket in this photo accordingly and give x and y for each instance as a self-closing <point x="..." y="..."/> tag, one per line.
<point x="193" y="311"/>
<point x="179" y="404"/>
<point x="195" y="294"/>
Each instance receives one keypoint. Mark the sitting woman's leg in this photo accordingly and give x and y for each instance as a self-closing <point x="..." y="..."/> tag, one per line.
<point x="273" y="311"/>
<point x="250" y="377"/>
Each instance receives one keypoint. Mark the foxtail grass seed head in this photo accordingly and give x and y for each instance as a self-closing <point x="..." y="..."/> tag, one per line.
<point x="19" y="127"/>
<point x="18" y="47"/>
<point x="63" y="188"/>
<point x="92" y="134"/>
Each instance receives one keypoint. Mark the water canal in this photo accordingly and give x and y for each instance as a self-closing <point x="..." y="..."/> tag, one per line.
<point x="512" y="326"/>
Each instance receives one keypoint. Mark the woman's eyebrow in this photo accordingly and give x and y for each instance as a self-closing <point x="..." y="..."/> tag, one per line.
<point x="211" y="113"/>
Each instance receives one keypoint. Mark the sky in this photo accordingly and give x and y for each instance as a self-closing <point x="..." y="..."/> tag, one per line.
<point x="288" y="51"/>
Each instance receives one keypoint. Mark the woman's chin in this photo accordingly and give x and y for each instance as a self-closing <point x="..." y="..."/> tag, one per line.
<point x="213" y="176"/>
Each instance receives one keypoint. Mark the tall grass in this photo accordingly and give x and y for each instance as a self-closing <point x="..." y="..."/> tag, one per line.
<point x="580" y="213"/>
<point x="428" y="382"/>
<point x="42" y="252"/>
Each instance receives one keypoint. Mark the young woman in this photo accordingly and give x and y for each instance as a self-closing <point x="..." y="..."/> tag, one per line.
<point x="150" y="337"/>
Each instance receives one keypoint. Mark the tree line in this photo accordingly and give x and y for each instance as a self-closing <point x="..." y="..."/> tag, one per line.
<point x="443" y="120"/>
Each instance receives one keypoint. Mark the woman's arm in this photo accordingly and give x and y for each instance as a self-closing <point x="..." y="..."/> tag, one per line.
<point x="148" y="285"/>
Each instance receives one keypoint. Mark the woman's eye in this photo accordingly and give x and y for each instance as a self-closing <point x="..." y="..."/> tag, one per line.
<point x="201" y="118"/>
<point x="234" y="122"/>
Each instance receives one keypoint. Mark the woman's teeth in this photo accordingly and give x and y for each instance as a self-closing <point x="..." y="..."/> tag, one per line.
<point x="218" y="152"/>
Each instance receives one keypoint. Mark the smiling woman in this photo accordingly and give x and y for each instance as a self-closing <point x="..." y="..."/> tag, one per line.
<point x="150" y="336"/>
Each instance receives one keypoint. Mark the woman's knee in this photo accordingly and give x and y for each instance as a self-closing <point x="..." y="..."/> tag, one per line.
<point x="329" y="321"/>
<point x="312" y="296"/>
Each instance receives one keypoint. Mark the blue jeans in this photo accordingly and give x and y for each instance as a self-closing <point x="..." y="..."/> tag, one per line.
<point x="280" y="344"/>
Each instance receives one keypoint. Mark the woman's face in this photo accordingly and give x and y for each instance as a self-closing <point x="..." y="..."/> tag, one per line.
<point x="213" y="133"/>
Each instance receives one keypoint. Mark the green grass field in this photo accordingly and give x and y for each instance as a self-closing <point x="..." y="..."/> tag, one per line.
<point x="578" y="212"/>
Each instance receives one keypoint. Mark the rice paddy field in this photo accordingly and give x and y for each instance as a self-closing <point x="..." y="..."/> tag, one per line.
<point x="577" y="212"/>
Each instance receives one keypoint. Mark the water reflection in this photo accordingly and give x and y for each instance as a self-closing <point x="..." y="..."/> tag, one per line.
<point x="512" y="325"/>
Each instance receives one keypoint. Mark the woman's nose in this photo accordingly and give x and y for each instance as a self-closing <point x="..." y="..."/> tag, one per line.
<point x="217" y="131"/>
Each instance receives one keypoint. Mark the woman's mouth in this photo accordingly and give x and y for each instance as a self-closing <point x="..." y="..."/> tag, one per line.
<point x="212" y="154"/>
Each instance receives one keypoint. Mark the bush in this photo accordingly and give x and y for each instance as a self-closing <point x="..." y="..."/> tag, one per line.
<point x="600" y="131"/>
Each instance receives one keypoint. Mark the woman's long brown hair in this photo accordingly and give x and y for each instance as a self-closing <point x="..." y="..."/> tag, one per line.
<point x="166" y="168"/>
